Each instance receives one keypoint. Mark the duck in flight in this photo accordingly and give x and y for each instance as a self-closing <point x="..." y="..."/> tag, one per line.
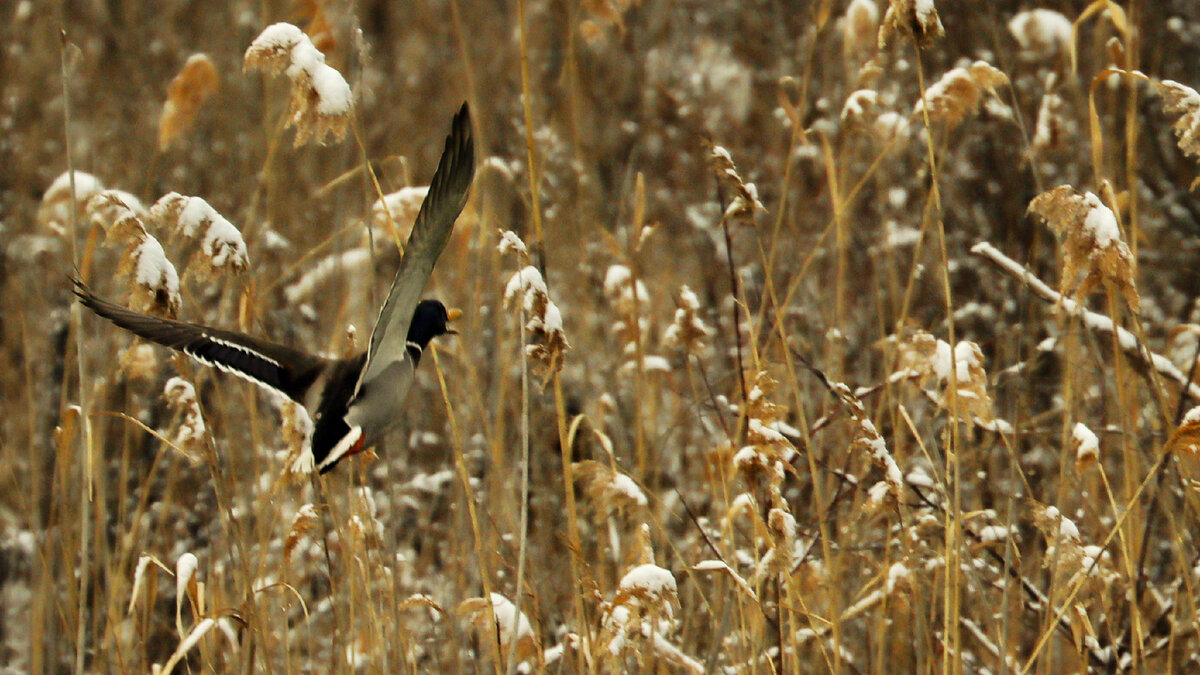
<point x="354" y="401"/>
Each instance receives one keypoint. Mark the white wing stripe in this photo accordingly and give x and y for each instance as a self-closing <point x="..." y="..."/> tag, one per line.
<point x="234" y="371"/>
<point x="241" y="348"/>
<point x="348" y="441"/>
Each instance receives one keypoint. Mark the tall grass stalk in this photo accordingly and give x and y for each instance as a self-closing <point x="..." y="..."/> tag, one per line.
<point x="523" y="493"/>
<point x="469" y="497"/>
<point x="952" y="599"/>
<point x="85" y="426"/>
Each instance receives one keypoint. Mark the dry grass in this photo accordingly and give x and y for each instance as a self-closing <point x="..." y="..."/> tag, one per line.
<point x="822" y="409"/>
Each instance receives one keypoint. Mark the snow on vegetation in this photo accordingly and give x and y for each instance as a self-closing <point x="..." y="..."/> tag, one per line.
<point x="527" y="283"/>
<point x="181" y="395"/>
<point x="351" y="263"/>
<point x="221" y="243"/>
<point x="511" y="625"/>
<point x="1184" y="102"/>
<point x="642" y="612"/>
<point x="608" y="487"/>
<point x="185" y="577"/>
<point x="510" y="242"/>
<point x="618" y="285"/>
<point x="321" y="99"/>
<point x="1041" y="32"/>
<point x="960" y="91"/>
<point x="990" y="534"/>
<point x="1061" y="525"/>
<point x="547" y="340"/>
<point x="1100" y="222"/>
<point x="1094" y="255"/>
<point x="1087" y="445"/>
<point x="86" y="185"/>
<point x="898" y="574"/>
<point x="399" y="209"/>
<point x="1192" y="416"/>
<point x="58" y="208"/>
<point x="688" y="331"/>
<point x="220" y="239"/>
<point x="858" y="103"/>
<point x="777" y="438"/>
<point x="155" y="273"/>
<point x="651" y="580"/>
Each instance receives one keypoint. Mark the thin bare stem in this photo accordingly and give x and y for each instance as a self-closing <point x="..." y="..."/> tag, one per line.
<point x="86" y="467"/>
<point x="736" y="308"/>
<point x="530" y="147"/>
<point x="523" y="498"/>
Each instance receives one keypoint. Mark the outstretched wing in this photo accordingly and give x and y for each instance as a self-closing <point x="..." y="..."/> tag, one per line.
<point x="445" y="200"/>
<point x="287" y="371"/>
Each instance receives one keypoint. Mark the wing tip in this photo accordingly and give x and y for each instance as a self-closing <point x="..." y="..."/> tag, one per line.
<point x="460" y="150"/>
<point x="87" y="297"/>
<point x="447" y="196"/>
<point x="78" y="287"/>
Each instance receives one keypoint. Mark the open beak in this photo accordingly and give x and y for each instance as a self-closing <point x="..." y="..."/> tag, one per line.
<point x="452" y="314"/>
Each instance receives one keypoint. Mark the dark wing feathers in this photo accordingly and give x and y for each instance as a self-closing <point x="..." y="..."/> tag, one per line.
<point x="288" y="371"/>
<point x="445" y="200"/>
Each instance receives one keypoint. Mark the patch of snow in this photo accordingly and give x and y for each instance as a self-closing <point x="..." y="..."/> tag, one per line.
<point x="509" y="241"/>
<point x="1089" y="444"/>
<point x="1101" y="222"/>
<point x="993" y="533"/>
<point x="153" y="270"/>
<point x="513" y="626"/>
<point x="626" y="486"/>
<point x="650" y="579"/>
<point x="1041" y="30"/>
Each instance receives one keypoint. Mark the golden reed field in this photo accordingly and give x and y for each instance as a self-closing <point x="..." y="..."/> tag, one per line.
<point x="851" y="336"/>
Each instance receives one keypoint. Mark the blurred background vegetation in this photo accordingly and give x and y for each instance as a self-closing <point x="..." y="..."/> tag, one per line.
<point x="864" y="238"/>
